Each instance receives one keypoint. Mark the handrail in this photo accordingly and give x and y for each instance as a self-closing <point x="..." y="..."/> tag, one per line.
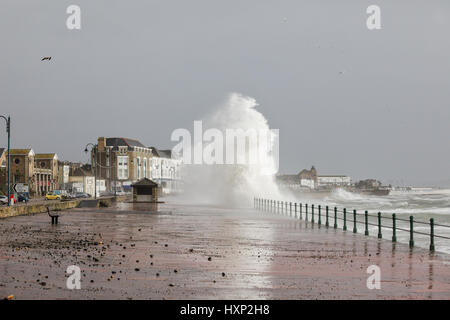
<point x="331" y="213"/>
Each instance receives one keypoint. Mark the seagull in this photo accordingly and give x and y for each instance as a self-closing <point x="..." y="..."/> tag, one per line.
<point x="46" y="58"/>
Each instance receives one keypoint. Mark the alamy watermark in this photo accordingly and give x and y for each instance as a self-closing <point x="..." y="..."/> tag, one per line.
<point x="73" y="21"/>
<point x="74" y="279"/>
<point x="374" y="280"/>
<point x="232" y="146"/>
<point x="373" y="22"/>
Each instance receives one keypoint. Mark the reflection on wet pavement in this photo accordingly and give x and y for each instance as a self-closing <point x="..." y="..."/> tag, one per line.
<point x="143" y="251"/>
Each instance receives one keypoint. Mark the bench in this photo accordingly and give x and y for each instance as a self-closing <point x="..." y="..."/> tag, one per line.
<point x="53" y="216"/>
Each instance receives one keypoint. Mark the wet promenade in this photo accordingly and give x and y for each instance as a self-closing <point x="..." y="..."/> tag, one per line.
<point x="187" y="252"/>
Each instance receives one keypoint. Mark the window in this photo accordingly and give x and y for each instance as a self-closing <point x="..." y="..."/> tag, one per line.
<point x="145" y="167"/>
<point x="139" y="171"/>
<point x="16" y="160"/>
<point x="122" y="167"/>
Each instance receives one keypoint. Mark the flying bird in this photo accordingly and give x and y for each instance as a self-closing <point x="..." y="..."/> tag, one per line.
<point x="46" y="58"/>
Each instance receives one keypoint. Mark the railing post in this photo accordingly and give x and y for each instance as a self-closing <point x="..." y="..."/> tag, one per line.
<point x="366" y="222"/>
<point x="301" y="209"/>
<point x="411" y="231"/>
<point x="290" y="209"/>
<point x="394" y="227"/>
<point x="345" y="220"/>
<point x="326" y="219"/>
<point x="335" y="217"/>
<point x="295" y="209"/>
<point x="355" y="230"/>
<point x="312" y="213"/>
<point x="306" y="212"/>
<point x="431" y="234"/>
<point x="320" y="219"/>
<point x="379" y="226"/>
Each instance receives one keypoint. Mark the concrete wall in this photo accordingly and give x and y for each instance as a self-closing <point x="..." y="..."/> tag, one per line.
<point x="12" y="211"/>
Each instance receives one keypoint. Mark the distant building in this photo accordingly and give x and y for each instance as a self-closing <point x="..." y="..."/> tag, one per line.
<point x="166" y="171"/>
<point x="368" y="184"/>
<point x="309" y="179"/>
<point x="63" y="174"/>
<point x="305" y="179"/>
<point x="38" y="172"/>
<point x="333" y="181"/>
<point x="46" y="172"/>
<point x="81" y="179"/>
<point x="123" y="161"/>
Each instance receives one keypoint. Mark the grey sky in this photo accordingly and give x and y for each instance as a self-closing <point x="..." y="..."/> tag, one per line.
<point x="143" y="68"/>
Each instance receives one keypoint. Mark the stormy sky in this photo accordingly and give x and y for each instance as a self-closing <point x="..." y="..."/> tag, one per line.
<point x="369" y="104"/>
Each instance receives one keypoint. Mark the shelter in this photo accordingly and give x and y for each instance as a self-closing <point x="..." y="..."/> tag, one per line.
<point x="145" y="190"/>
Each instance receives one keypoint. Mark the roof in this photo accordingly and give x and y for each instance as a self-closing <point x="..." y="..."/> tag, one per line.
<point x="331" y="175"/>
<point x="144" y="182"/>
<point x="45" y="156"/>
<point x="123" y="142"/>
<point x="165" y="153"/>
<point x="80" y="172"/>
<point x="22" y="152"/>
<point x="162" y="153"/>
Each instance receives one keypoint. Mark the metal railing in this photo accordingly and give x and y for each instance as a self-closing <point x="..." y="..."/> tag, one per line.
<point x="308" y="212"/>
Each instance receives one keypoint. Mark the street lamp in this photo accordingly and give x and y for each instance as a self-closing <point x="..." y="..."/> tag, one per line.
<point x="94" y="148"/>
<point x="8" y="130"/>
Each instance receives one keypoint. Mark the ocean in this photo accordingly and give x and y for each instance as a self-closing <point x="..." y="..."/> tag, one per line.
<point x="422" y="205"/>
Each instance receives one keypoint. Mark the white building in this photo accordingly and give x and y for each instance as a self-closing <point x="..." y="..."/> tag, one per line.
<point x="333" y="181"/>
<point x="166" y="171"/>
<point x="82" y="180"/>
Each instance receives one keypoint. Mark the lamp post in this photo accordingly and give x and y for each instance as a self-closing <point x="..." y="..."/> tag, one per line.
<point x="115" y="176"/>
<point x="93" y="148"/>
<point x="8" y="130"/>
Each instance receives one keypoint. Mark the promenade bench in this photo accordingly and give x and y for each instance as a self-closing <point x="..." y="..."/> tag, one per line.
<point x="54" y="216"/>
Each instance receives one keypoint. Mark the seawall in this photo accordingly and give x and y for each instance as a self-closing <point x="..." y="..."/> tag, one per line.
<point x="19" y="210"/>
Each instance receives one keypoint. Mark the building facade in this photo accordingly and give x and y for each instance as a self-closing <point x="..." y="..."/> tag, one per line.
<point x="38" y="172"/>
<point x="45" y="172"/>
<point x="166" y="171"/>
<point x="123" y="161"/>
<point x="333" y="181"/>
<point x="309" y="179"/>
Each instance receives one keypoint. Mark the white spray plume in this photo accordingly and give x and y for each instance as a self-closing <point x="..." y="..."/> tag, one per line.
<point x="235" y="185"/>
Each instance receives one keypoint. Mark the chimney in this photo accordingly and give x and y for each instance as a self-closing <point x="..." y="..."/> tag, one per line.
<point x="101" y="144"/>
